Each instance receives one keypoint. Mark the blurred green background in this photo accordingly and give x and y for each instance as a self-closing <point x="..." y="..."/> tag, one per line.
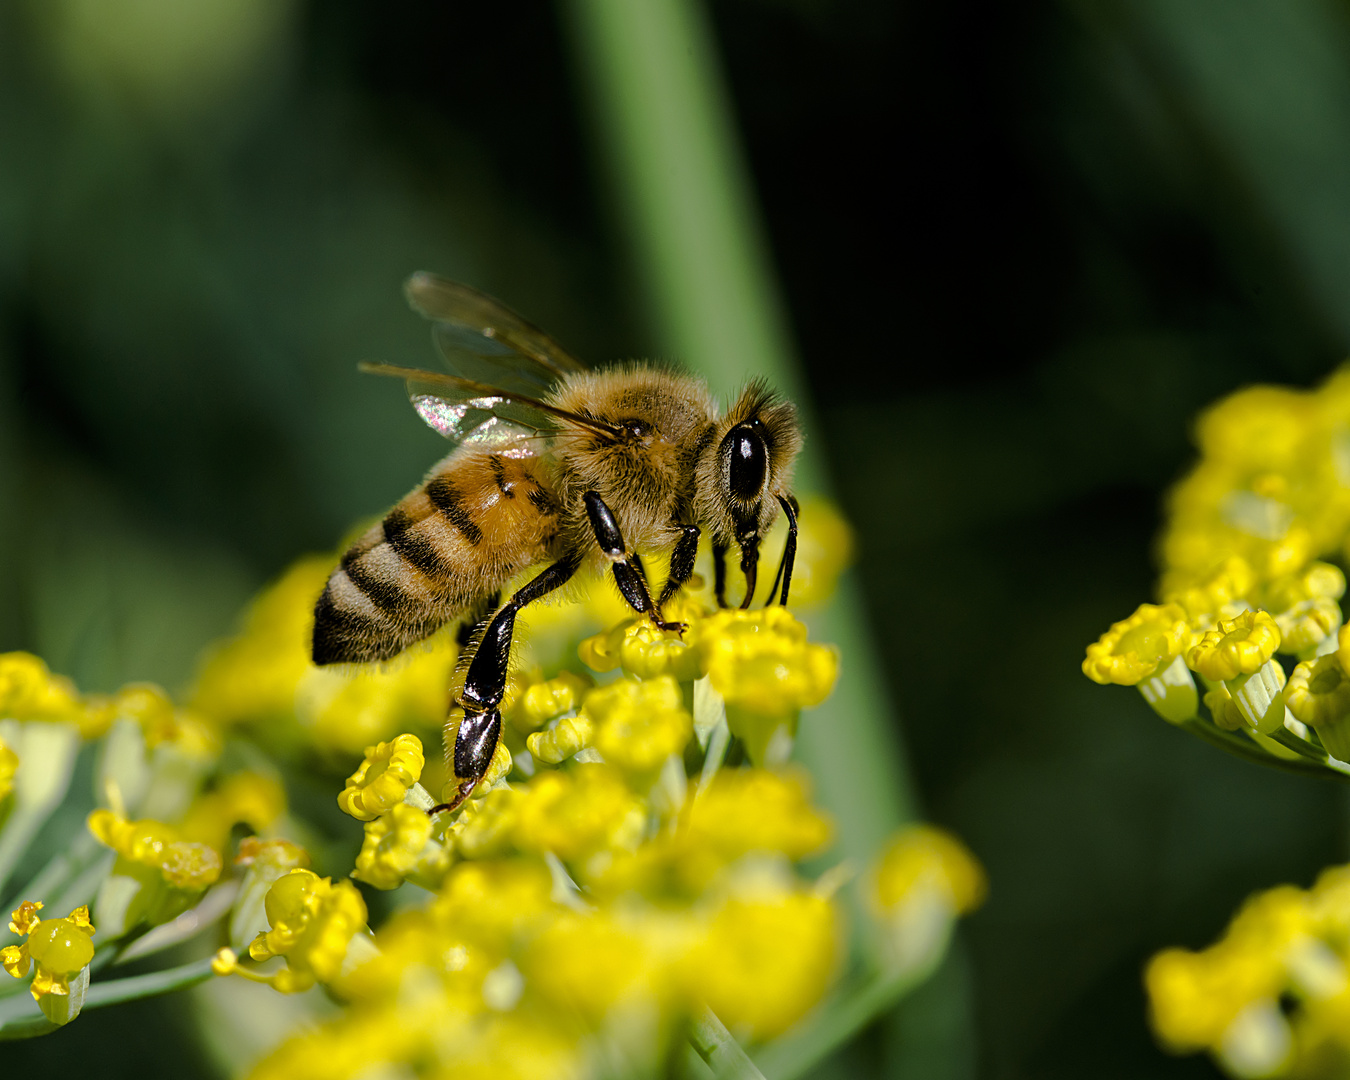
<point x="1020" y="245"/>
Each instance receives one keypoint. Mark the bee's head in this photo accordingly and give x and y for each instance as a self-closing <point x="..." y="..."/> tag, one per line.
<point x="745" y="467"/>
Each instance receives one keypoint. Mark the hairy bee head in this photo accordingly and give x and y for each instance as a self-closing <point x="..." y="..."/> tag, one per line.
<point x="747" y="464"/>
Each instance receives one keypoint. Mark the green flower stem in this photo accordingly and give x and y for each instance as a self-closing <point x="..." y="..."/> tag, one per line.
<point x="1236" y="743"/>
<point x="20" y="1017"/>
<point x="715" y="1045"/>
<point x="665" y="127"/>
<point x="835" y="1023"/>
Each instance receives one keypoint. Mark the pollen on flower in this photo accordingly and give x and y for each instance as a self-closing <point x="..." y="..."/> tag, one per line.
<point x="383" y="778"/>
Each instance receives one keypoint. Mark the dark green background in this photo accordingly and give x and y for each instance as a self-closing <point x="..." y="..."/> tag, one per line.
<point x="1021" y="246"/>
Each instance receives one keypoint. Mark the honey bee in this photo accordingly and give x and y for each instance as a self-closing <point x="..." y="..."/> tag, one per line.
<point x="555" y="464"/>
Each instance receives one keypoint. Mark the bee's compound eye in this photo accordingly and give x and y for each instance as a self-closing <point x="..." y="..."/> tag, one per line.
<point x="748" y="460"/>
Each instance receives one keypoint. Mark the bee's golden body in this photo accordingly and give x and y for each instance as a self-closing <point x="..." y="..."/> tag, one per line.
<point x="481" y="516"/>
<point x="478" y="520"/>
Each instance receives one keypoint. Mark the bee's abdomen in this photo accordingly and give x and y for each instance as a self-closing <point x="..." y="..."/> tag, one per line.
<point x="436" y="554"/>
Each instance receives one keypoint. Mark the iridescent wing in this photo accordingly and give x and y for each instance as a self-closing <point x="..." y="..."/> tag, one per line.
<point x="476" y="413"/>
<point x="484" y="341"/>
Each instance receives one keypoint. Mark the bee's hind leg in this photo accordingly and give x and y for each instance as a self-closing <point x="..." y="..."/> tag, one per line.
<point x="485" y="683"/>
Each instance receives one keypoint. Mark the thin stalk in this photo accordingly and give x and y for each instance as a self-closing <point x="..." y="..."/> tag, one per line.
<point x="715" y="1045"/>
<point x="836" y="1023"/>
<point x="21" y="1018"/>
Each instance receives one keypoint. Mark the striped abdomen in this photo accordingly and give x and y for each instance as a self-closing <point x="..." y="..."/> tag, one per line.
<point x="481" y="519"/>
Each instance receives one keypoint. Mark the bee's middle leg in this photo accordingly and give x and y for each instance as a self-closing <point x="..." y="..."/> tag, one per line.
<point x="485" y="683"/>
<point x="628" y="574"/>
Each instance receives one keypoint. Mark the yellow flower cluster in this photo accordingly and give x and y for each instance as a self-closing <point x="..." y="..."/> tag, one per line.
<point x="1252" y="609"/>
<point x="1244" y="583"/>
<point x="263" y="680"/>
<point x="625" y="872"/>
<point x="1272" y="997"/>
<point x="612" y="875"/>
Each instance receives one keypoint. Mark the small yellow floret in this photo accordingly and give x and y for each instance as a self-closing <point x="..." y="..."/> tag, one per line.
<point x="1318" y="693"/>
<point x="575" y="813"/>
<point x="59" y="947"/>
<point x="384" y="777"/>
<point x="29" y="691"/>
<point x="594" y="964"/>
<point x="765" y="960"/>
<point x="1136" y="647"/>
<point x="1201" y="599"/>
<point x="185" y="865"/>
<point x="568" y="736"/>
<point x="642" y="650"/>
<point x="761" y="662"/>
<point x="1223" y="709"/>
<point x="639" y="724"/>
<point x="396" y="845"/>
<point x="746" y="810"/>
<point x="544" y="701"/>
<point x="1240" y="646"/>
<point x="313" y="922"/>
<point x="923" y="857"/>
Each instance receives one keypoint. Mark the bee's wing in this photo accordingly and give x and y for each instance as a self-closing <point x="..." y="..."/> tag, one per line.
<point x="473" y="412"/>
<point x="484" y="341"/>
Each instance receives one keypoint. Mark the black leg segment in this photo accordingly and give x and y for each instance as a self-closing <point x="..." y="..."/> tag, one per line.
<point x="628" y="572"/>
<point x="789" y="506"/>
<point x="485" y="683"/>
<point x="719" y="553"/>
<point x="681" y="562"/>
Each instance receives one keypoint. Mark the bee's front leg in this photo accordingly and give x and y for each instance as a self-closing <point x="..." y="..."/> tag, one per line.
<point x="628" y="574"/>
<point x="485" y="684"/>
<point x="790" y="508"/>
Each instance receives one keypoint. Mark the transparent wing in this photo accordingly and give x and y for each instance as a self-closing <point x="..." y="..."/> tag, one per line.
<point x="484" y="341"/>
<point x="472" y="412"/>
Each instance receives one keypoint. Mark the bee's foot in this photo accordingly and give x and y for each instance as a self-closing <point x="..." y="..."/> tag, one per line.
<point x="661" y="624"/>
<point x="461" y="793"/>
